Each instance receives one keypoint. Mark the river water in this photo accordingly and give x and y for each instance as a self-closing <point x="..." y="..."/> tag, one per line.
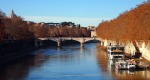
<point x="68" y="63"/>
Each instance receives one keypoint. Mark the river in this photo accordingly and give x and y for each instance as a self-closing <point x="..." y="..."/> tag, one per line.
<point x="68" y="63"/>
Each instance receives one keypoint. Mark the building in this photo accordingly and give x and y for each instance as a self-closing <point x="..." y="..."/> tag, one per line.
<point x="12" y="15"/>
<point x="92" y="28"/>
<point x="93" y="33"/>
<point x="53" y="24"/>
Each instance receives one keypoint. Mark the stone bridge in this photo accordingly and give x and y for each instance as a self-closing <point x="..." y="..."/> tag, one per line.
<point x="59" y="40"/>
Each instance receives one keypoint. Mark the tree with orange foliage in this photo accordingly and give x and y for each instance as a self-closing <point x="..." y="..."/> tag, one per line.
<point x="130" y="25"/>
<point x="2" y="16"/>
<point x="133" y="25"/>
<point x="1" y="30"/>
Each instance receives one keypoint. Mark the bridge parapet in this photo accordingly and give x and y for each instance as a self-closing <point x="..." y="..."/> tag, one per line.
<point x="82" y="40"/>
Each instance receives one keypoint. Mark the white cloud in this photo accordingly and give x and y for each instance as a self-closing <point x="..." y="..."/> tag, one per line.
<point x="83" y="21"/>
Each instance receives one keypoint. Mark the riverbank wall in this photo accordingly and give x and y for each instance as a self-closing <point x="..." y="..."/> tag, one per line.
<point x="12" y="49"/>
<point x="131" y="47"/>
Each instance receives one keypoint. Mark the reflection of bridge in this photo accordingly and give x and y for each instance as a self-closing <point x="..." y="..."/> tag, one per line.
<point x="59" y="40"/>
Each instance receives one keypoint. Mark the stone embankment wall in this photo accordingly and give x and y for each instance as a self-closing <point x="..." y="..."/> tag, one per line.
<point x="145" y="49"/>
<point x="130" y="48"/>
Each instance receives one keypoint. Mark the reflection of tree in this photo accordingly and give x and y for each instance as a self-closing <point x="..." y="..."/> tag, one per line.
<point x="138" y="75"/>
<point x="102" y="59"/>
<point x="19" y="69"/>
<point x="119" y="75"/>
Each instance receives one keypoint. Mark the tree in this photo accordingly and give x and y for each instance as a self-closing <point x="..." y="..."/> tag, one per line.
<point x="2" y="14"/>
<point x="1" y="30"/>
<point x="130" y="25"/>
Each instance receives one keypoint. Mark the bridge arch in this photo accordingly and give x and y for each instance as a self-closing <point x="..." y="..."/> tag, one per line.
<point x="75" y="40"/>
<point x="68" y="42"/>
<point x="91" y="41"/>
<point x="49" y="43"/>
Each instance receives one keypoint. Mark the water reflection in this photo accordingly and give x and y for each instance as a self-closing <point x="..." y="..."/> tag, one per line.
<point x="15" y="72"/>
<point x="119" y="74"/>
<point x="67" y="63"/>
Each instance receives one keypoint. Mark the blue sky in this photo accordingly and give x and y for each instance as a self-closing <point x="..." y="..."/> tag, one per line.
<point x="84" y="12"/>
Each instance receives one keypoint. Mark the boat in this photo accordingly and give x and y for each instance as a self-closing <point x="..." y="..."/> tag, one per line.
<point x="115" y="52"/>
<point x="126" y="65"/>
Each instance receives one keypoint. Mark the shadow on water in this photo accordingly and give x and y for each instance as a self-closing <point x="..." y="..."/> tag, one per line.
<point x="20" y="68"/>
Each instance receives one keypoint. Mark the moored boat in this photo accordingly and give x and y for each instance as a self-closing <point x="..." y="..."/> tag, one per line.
<point x="126" y="65"/>
<point x="115" y="52"/>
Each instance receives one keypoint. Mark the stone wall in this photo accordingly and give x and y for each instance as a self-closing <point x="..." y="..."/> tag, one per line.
<point x="144" y="48"/>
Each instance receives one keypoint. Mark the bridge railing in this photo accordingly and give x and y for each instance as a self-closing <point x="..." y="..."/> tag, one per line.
<point x="68" y="38"/>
